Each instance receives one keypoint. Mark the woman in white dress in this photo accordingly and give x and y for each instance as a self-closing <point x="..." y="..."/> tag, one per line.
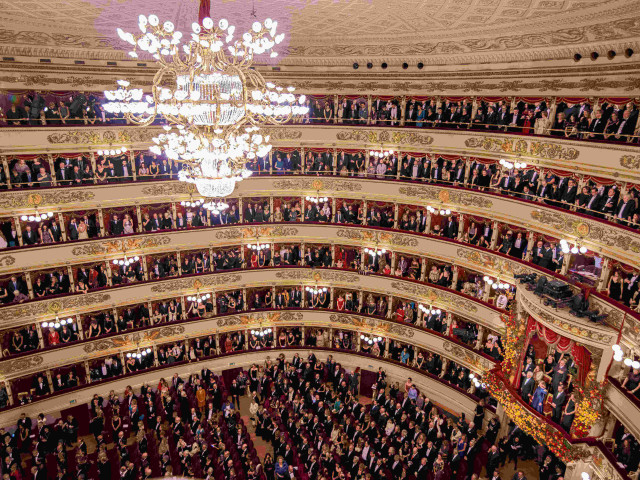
<point x="82" y="231"/>
<point x="127" y="224"/>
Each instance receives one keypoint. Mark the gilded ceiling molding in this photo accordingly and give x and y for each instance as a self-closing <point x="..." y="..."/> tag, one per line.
<point x="132" y="340"/>
<point x="397" y="137"/>
<point x="460" y="353"/>
<point x="107" y="247"/>
<point x="632" y="162"/>
<point x="546" y="150"/>
<point x="280" y="133"/>
<point x="7" y="260"/>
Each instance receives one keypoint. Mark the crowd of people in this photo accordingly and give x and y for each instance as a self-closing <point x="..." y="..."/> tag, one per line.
<point x="608" y="121"/>
<point x="310" y="412"/>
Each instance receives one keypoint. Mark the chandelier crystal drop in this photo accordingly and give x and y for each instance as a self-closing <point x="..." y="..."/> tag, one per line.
<point x="207" y="88"/>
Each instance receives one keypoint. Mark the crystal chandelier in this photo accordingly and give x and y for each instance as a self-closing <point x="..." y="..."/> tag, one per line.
<point x="207" y="88"/>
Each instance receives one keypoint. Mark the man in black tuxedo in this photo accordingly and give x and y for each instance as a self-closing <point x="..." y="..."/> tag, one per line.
<point x="115" y="226"/>
<point x="16" y="287"/>
<point x="29" y="237"/>
<point x="56" y="233"/>
<point x="450" y="229"/>
<point x="596" y="128"/>
<point x="557" y="403"/>
<point x="41" y="386"/>
<point x="626" y="127"/>
<point x="625" y="209"/>
<point x="62" y="174"/>
<point x="249" y="213"/>
<point x="527" y="387"/>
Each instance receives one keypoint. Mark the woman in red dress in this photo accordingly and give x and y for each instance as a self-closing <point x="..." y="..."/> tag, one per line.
<point x="340" y="303"/>
<point x="254" y="259"/>
<point x="54" y="337"/>
<point x="400" y="313"/>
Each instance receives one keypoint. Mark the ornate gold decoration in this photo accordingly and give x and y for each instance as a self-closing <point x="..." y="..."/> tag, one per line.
<point x="270" y="317"/>
<point x="118" y="246"/>
<point x="21" y="365"/>
<point x="571" y="328"/>
<point x="279" y="133"/>
<point x="319" y="276"/>
<point x="493" y="262"/>
<point x="11" y="200"/>
<point x="7" y="260"/>
<point x="132" y="339"/>
<point x="42" y="308"/>
<point x="168" y="188"/>
<point x="435" y="295"/>
<point x="632" y="162"/>
<point x="460" y="353"/>
<point x="598" y="232"/>
<point x="453" y="197"/>
<point x="187" y="283"/>
<point x="546" y="150"/>
<point x="395" y="137"/>
<point x="311" y="184"/>
<point x="102" y="137"/>
<point x="361" y="322"/>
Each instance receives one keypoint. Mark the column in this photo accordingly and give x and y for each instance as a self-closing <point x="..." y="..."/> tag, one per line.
<point x="92" y="158"/>
<point x="360" y="300"/>
<point x="134" y="170"/>
<point x="333" y="254"/>
<point x="240" y="210"/>
<point x="389" y="306"/>
<point x="63" y="229"/>
<point x="565" y="264"/>
<point x="174" y="215"/>
<point x="604" y="275"/>
<point x="333" y="209"/>
<point x="27" y="276"/>
<point x="396" y="210"/>
<point x="474" y="107"/>
<point x="87" y="371"/>
<point x="145" y="269"/>
<point x="423" y="269"/>
<point x="365" y="207"/>
<point x="363" y="259"/>
<point x="334" y="164"/>
<point x="403" y="109"/>
<point x="139" y="217"/>
<point x="304" y="162"/>
<point x="155" y="355"/>
<point x="244" y="299"/>
<point x="487" y="292"/>
<point x="393" y="263"/>
<point x="332" y="295"/>
<point x="530" y="246"/>
<point x="427" y="228"/>
<point x="358" y="342"/>
<point x="16" y="222"/>
<point x="78" y="327"/>
<point x="467" y="171"/>
<point x="107" y="272"/>
<point x="270" y="162"/>
<point x="336" y="99"/>
<point x="494" y="236"/>
<point x="480" y="339"/>
<point x="271" y="210"/>
<point x="367" y="160"/>
<point x="7" y="175"/>
<point x="387" y="342"/>
<point x="445" y="365"/>
<point x="460" y="227"/>
<point x="454" y="279"/>
<point x="101" y="223"/>
<point x="52" y="169"/>
<point x="114" y="312"/>
<point x="218" y="350"/>
<point x="369" y="105"/>
<point x="179" y="258"/>
<point x="72" y="281"/>
<point x="40" y="335"/>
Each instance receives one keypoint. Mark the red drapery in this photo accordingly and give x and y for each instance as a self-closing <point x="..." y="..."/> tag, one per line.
<point x="580" y="354"/>
<point x="205" y="10"/>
